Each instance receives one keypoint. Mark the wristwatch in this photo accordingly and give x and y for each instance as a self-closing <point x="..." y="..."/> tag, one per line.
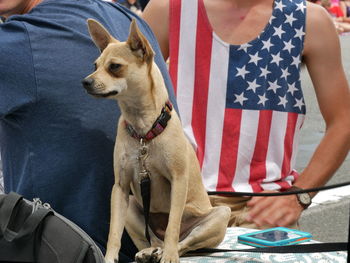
<point x="304" y="199"/>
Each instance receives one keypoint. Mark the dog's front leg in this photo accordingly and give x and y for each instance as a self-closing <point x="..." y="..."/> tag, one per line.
<point x="119" y="206"/>
<point x="179" y="185"/>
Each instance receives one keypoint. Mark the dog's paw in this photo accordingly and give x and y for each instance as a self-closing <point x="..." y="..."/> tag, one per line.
<point x="149" y="255"/>
<point x="110" y="259"/>
<point x="170" y="256"/>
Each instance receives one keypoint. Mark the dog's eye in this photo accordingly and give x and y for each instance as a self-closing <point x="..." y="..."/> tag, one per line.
<point x="114" y="67"/>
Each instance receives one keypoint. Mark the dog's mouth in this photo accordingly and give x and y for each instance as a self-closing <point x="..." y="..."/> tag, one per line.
<point x="103" y="95"/>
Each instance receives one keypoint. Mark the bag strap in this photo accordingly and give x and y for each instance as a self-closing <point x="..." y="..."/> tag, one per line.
<point x="7" y="206"/>
<point x="30" y="224"/>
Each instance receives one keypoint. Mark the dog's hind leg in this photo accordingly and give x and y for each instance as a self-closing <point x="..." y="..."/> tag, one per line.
<point x="209" y="232"/>
<point x="135" y="226"/>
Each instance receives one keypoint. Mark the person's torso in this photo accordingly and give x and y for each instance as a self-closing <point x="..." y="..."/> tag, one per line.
<point x="241" y="105"/>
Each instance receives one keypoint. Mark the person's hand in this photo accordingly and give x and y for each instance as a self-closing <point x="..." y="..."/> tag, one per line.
<point x="339" y="19"/>
<point x="274" y="211"/>
<point x="339" y="27"/>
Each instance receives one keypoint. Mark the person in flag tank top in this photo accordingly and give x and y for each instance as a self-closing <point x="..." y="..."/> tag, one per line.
<point x="235" y="67"/>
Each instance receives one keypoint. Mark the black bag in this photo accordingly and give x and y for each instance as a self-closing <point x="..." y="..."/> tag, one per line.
<point x="34" y="232"/>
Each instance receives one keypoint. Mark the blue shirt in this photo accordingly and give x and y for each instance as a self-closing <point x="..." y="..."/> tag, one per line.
<point x="56" y="140"/>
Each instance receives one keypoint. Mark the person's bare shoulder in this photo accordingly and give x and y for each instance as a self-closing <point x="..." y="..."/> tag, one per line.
<point x="319" y="27"/>
<point x="158" y="4"/>
<point x="156" y="14"/>
<point x="316" y="13"/>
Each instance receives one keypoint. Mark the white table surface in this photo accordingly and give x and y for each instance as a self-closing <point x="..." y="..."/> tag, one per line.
<point x="230" y="242"/>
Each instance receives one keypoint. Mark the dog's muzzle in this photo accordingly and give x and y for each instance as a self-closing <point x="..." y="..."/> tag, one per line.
<point x="89" y="85"/>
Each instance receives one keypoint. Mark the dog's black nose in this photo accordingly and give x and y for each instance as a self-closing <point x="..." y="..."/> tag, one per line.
<point x="88" y="83"/>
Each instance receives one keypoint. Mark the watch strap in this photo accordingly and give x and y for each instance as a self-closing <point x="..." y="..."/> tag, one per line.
<point x="295" y="188"/>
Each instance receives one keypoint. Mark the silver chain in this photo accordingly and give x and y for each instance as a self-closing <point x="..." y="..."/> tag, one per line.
<point x="142" y="156"/>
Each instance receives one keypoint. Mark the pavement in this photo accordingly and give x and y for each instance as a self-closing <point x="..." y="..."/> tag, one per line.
<point x="328" y="218"/>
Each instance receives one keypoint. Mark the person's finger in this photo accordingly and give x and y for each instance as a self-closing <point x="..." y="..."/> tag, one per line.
<point x="257" y="199"/>
<point x="287" y="220"/>
<point x="257" y="208"/>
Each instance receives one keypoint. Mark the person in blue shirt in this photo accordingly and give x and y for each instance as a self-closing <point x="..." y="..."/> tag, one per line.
<point x="56" y="141"/>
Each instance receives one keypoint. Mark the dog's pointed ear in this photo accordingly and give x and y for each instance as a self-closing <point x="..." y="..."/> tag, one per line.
<point x="139" y="44"/>
<point x="99" y="34"/>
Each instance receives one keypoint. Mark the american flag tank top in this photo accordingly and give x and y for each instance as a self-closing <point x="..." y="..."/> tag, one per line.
<point x="241" y="106"/>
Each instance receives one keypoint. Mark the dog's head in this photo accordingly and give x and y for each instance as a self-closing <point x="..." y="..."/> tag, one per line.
<point x="121" y="66"/>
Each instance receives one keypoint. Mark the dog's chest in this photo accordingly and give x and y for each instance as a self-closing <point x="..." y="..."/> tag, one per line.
<point x="153" y="165"/>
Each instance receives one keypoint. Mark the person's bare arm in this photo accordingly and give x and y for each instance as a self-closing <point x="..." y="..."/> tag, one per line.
<point x="343" y="7"/>
<point x="343" y="19"/>
<point x="322" y="56"/>
<point x="323" y="61"/>
<point x="156" y="14"/>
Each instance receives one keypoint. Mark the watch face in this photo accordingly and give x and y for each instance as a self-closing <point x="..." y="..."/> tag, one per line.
<point x="305" y="199"/>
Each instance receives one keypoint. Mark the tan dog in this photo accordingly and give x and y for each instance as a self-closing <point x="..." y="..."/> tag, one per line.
<point x="182" y="217"/>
